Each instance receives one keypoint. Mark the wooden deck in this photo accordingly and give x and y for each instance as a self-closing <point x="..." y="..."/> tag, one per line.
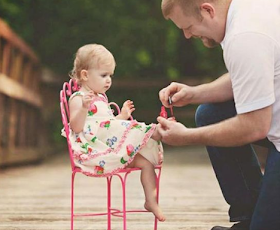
<point x="37" y="197"/>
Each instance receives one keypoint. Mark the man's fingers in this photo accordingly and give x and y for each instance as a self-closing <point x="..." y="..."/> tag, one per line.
<point x="171" y="119"/>
<point x="161" y="130"/>
<point x="177" y="96"/>
<point x="163" y="122"/>
<point x="163" y="96"/>
<point x="173" y="91"/>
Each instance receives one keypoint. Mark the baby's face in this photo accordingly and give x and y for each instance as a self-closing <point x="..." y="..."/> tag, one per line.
<point x="99" y="80"/>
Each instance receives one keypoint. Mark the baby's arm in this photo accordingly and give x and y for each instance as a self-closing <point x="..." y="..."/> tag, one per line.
<point x="126" y="111"/>
<point x="78" y="106"/>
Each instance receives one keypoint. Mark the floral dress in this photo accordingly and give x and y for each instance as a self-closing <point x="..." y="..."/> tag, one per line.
<point x="107" y="145"/>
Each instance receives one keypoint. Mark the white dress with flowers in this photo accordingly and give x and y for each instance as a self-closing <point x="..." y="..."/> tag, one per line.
<point x="107" y="144"/>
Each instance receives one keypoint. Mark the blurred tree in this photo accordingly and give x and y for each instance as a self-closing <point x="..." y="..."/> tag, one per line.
<point x="144" y="44"/>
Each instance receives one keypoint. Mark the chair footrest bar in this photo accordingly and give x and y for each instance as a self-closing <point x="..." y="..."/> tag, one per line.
<point x="119" y="213"/>
<point x="90" y="214"/>
<point x="114" y="212"/>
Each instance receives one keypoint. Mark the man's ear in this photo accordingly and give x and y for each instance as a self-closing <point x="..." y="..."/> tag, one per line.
<point x="208" y="8"/>
<point x="84" y="75"/>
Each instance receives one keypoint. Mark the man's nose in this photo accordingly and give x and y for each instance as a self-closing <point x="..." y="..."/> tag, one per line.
<point x="187" y="34"/>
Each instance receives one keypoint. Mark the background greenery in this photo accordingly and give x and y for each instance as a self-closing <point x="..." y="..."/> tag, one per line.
<point x="144" y="44"/>
<point x="146" y="47"/>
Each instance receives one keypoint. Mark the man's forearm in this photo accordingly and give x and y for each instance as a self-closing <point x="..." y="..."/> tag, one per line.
<point x="236" y="131"/>
<point x="217" y="91"/>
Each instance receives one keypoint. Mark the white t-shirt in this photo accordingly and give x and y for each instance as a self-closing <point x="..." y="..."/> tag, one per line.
<point x="252" y="55"/>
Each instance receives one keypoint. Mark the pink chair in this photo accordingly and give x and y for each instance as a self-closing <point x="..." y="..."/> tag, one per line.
<point x="65" y="93"/>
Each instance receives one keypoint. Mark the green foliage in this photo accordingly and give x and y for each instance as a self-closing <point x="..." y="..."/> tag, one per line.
<point x="144" y="58"/>
<point x="144" y="44"/>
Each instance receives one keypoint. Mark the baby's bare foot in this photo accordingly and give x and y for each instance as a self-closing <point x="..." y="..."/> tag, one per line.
<point x="155" y="209"/>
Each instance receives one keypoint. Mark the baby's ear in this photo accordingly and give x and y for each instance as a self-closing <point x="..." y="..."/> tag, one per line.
<point x="84" y="75"/>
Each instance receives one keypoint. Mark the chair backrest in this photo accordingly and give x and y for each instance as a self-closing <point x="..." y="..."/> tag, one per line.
<point x="67" y="90"/>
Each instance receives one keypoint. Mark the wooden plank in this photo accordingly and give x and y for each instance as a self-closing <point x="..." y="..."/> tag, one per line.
<point x="1" y="54"/>
<point x="32" y="126"/>
<point x="20" y="155"/>
<point x="38" y="197"/>
<point x="17" y="67"/>
<point x="1" y="117"/>
<point x="132" y="84"/>
<point x="12" y="123"/>
<point x="26" y="76"/>
<point x="23" y="126"/>
<point x="148" y="115"/>
<point x="15" y="90"/>
<point x="6" y="59"/>
<point x="35" y="81"/>
<point x="5" y="124"/>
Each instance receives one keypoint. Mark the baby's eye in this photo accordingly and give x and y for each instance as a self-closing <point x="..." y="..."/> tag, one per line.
<point x="112" y="76"/>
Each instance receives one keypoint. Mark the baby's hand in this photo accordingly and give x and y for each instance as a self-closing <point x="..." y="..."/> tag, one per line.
<point x="86" y="99"/>
<point x="127" y="109"/>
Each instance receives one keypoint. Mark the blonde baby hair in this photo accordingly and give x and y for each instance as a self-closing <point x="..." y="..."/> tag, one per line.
<point x="90" y="56"/>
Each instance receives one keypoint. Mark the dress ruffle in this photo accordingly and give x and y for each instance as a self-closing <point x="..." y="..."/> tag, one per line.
<point x="106" y="145"/>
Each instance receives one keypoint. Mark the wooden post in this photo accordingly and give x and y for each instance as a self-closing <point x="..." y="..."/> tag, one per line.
<point x="17" y="68"/>
<point x="1" y="122"/>
<point x="12" y="124"/>
<point x="6" y="59"/>
<point x="1" y="56"/>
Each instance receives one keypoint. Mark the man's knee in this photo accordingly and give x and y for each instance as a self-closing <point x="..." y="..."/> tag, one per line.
<point x="207" y="114"/>
<point x="201" y="115"/>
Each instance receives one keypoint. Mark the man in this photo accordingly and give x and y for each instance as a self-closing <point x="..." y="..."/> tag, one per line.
<point x="239" y="108"/>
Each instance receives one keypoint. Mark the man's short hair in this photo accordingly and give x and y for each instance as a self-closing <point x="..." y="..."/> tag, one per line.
<point x="189" y="7"/>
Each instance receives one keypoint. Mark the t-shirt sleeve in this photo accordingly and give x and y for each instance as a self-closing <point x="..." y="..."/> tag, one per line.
<point x="249" y="58"/>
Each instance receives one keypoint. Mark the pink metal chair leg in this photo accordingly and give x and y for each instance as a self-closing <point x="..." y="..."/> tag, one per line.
<point x="123" y="182"/>
<point x="72" y="200"/>
<point x="157" y="182"/>
<point x="109" y="180"/>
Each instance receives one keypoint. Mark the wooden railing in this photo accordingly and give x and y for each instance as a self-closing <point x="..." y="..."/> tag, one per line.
<point x="20" y="100"/>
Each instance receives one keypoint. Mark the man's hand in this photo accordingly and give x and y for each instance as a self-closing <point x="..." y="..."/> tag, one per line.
<point x="180" y="94"/>
<point x="127" y="109"/>
<point x="172" y="132"/>
<point x="236" y="131"/>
